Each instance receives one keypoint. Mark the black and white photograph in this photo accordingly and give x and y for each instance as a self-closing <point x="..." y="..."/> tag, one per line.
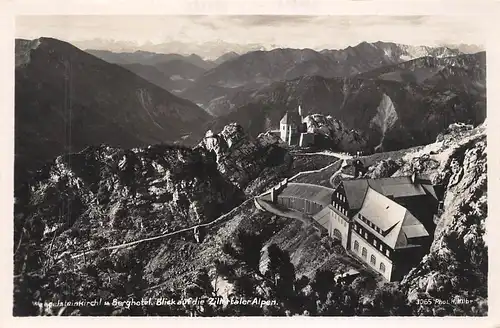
<point x="250" y="165"/>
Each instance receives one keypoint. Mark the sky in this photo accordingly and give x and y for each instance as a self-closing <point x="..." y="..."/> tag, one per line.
<point x="211" y="36"/>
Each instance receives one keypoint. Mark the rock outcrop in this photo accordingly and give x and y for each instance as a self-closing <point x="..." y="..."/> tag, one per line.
<point x="455" y="272"/>
<point x="333" y="134"/>
<point x="108" y="195"/>
<point x="249" y="164"/>
<point x="454" y="275"/>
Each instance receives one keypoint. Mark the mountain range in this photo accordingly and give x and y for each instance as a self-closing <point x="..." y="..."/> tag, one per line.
<point x="389" y="103"/>
<point x="232" y="73"/>
<point x="261" y="68"/>
<point x="380" y="89"/>
<point x="67" y="99"/>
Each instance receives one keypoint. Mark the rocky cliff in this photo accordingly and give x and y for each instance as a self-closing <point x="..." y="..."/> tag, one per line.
<point x="106" y="195"/>
<point x="453" y="278"/>
<point x="249" y="164"/>
<point x="333" y="134"/>
<point x="102" y="198"/>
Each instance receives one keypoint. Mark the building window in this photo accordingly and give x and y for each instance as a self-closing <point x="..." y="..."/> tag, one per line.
<point x="366" y="235"/>
<point x="375" y="242"/>
<point x="381" y="248"/>
<point x="356" y="246"/>
<point x="382" y="267"/>
<point x="387" y="252"/>
<point x="373" y="260"/>
<point x="364" y="253"/>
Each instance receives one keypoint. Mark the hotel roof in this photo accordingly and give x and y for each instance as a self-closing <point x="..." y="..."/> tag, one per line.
<point x="397" y="187"/>
<point x="397" y="224"/>
<point x="318" y="194"/>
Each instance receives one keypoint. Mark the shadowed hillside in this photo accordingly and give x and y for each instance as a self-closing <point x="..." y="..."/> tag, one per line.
<point x="67" y="99"/>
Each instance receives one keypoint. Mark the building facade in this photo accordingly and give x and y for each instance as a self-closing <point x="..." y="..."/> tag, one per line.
<point x="293" y="130"/>
<point x="369" y="219"/>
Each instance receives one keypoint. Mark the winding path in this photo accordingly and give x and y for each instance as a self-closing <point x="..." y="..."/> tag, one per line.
<point x="327" y="153"/>
<point x="217" y="220"/>
<point x="169" y="234"/>
<point x="313" y="171"/>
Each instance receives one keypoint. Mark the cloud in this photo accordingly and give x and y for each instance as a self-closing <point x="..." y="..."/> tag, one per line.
<point x="275" y="20"/>
<point x="315" y="32"/>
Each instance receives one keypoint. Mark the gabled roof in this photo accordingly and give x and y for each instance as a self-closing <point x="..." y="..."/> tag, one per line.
<point x="292" y="118"/>
<point x="355" y="191"/>
<point x="396" y="187"/>
<point x="398" y="225"/>
<point x="381" y="211"/>
<point x="319" y="194"/>
<point x="323" y="217"/>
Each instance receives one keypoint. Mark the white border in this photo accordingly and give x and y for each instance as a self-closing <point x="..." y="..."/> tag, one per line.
<point x="486" y="11"/>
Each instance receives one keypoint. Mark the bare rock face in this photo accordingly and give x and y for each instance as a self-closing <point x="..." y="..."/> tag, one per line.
<point x="384" y="168"/>
<point x="385" y="118"/>
<point x="455" y="128"/>
<point x="334" y="134"/>
<point x="269" y="138"/>
<point x="250" y="164"/>
<point x="120" y="195"/>
<point x="457" y="266"/>
<point x="79" y="205"/>
<point x="214" y="143"/>
<point x="232" y="133"/>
